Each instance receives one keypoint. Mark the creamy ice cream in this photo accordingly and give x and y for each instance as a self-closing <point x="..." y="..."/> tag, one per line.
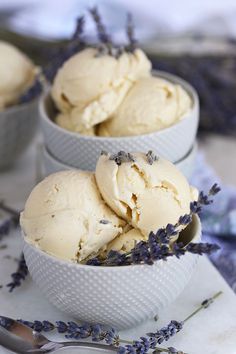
<point x="66" y="216"/>
<point x="17" y="73"/>
<point x="146" y="192"/>
<point x="126" y="241"/>
<point x="151" y="104"/>
<point x="63" y="120"/>
<point x="90" y="87"/>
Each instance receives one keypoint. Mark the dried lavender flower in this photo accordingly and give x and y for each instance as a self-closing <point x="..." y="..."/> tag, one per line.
<point x="20" y="274"/>
<point x="79" y="29"/>
<point x="214" y="189"/>
<point x="122" y="157"/>
<point x="32" y="92"/>
<point x="132" y="45"/>
<point x="151" y="157"/>
<point x="104" y="222"/>
<point x="101" y="30"/>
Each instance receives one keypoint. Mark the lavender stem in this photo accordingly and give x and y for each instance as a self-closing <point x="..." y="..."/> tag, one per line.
<point x="209" y="301"/>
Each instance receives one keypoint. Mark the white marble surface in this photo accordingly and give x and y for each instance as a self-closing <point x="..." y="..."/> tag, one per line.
<point x="213" y="331"/>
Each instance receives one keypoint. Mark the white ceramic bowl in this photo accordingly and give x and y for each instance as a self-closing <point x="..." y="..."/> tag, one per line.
<point x="51" y="164"/>
<point x="18" y="125"/>
<point x="121" y="297"/>
<point x="82" y="151"/>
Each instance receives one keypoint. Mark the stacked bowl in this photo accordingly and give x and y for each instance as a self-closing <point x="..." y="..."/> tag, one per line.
<point x="67" y="150"/>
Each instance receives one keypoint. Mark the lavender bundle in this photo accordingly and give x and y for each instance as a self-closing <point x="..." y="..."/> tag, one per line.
<point x="97" y="333"/>
<point x="158" y="246"/>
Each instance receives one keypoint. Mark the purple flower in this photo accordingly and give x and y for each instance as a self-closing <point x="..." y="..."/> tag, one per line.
<point x="19" y="275"/>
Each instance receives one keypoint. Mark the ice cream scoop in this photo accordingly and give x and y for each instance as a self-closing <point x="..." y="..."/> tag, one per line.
<point x="147" y="191"/>
<point x="126" y="241"/>
<point x="66" y="216"/>
<point x="64" y="121"/>
<point x="17" y="73"/>
<point x="89" y="87"/>
<point x="152" y="104"/>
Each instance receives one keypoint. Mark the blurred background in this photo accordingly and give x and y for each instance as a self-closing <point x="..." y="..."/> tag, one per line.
<point x="194" y="40"/>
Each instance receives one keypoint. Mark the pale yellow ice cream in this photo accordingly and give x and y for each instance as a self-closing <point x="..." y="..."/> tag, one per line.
<point x="151" y="104"/>
<point x="66" y="216"/>
<point x="17" y="73"/>
<point x="63" y="120"/>
<point x="126" y="241"/>
<point x="90" y="87"/>
<point x="149" y="196"/>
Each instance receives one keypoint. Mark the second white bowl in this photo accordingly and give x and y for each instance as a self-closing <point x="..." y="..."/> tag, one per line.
<point x="82" y="151"/>
<point x="185" y="165"/>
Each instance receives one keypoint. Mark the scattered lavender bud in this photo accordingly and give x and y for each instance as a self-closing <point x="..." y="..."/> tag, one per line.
<point x="104" y="222"/>
<point x="206" y="303"/>
<point x="122" y="157"/>
<point x="214" y="189"/>
<point x="151" y="157"/>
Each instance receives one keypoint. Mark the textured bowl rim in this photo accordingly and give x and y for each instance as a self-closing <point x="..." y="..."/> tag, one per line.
<point x="196" y="237"/>
<point x="165" y="75"/>
<point x="53" y="159"/>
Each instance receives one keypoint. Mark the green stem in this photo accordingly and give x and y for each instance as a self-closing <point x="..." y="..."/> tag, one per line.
<point x="202" y="306"/>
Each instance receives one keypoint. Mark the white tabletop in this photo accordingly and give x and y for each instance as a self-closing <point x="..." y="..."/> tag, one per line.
<point x="213" y="331"/>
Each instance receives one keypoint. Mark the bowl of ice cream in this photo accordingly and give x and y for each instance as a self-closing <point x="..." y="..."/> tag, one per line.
<point x="71" y="216"/>
<point x="18" y="122"/>
<point x="104" y="103"/>
<point x="52" y="164"/>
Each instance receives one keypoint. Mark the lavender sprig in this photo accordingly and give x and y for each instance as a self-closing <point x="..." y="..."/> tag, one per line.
<point x="97" y="333"/>
<point x="132" y="45"/>
<point x="158" y="246"/>
<point x="79" y="29"/>
<point x="103" y="36"/>
<point x="20" y="274"/>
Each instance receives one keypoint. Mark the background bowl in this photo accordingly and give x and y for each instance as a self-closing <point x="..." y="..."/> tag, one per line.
<point x="18" y="125"/>
<point x="51" y="164"/>
<point x="82" y="152"/>
<point x="121" y="297"/>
